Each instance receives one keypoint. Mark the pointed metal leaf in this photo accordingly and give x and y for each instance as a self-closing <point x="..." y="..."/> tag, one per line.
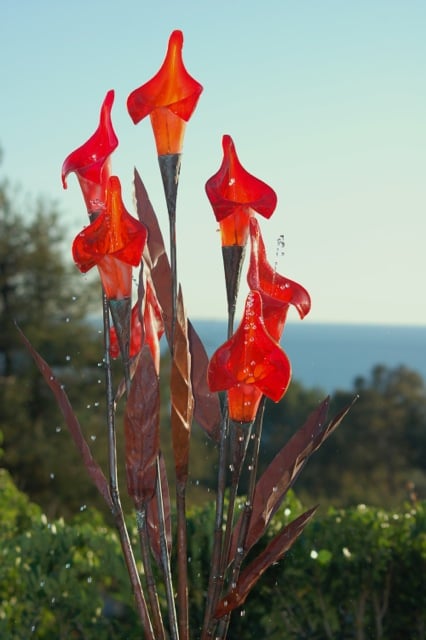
<point x="282" y="472"/>
<point x="182" y="402"/>
<point x="142" y="429"/>
<point x="93" y="469"/>
<point x="273" y="552"/>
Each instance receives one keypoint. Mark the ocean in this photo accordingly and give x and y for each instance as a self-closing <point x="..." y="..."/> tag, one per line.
<point x="331" y="356"/>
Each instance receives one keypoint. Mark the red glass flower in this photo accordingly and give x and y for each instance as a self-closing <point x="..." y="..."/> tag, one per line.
<point x="235" y="195"/>
<point x="91" y="162"/>
<point x="277" y="292"/>
<point x="169" y="98"/>
<point x="250" y="364"/>
<point x="113" y="242"/>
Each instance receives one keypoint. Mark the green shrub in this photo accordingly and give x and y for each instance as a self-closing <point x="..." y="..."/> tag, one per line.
<point x="355" y="573"/>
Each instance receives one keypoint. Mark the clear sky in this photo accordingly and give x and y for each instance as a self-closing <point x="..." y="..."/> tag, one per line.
<point x="325" y="101"/>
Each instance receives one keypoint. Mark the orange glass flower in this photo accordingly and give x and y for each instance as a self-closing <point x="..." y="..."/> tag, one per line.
<point x="235" y="195"/>
<point x="91" y="162"/>
<point x="113" y="242"/>
<point x="277" y="292"/>
<point x="250" y="364"/>
<point x="169" y="98"/>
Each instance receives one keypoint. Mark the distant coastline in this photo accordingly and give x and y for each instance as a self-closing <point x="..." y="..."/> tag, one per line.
<point x="331" y="356"/>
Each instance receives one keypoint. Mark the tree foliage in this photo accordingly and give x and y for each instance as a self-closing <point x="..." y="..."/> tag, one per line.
<point x="353" y="574"/>
<point x="377" y="455"/>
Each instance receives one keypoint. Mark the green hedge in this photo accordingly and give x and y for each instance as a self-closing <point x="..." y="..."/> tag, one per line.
<point x="357" y="573"/>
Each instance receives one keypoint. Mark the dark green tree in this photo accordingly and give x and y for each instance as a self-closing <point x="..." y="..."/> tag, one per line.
<point x="377" y="455"/>
<point x="43" y="292"/>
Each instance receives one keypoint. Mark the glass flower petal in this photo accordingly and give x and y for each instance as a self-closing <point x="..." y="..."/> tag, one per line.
<point x="91" y="161"/>
<point x="235" y="194"/>
<point x="170" y="98"/>
<point x="233" y="187"/>
<point x="250" y="357"/>
<point x="114" y="232"/>
<point x="114" y="242"/>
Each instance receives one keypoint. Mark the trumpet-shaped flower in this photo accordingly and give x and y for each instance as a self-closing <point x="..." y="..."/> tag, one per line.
<point x="113" y="242"/>
<point x="91" y="162"/>
<point x="235" y="195"/>
<point x="169" y="98"/>
<point x="277" y="292"/>
<point x="250" y="364"/>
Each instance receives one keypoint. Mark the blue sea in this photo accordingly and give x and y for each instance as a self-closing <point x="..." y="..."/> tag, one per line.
<point x="331" y="356"/>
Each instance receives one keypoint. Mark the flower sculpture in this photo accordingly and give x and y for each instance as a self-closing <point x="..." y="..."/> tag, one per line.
<point x="169" y="98"/>
<point x="113" y="242"/>
<point x="250" y="364"/>
<point x="277" y="292"/>
<point x="92" y="163"/>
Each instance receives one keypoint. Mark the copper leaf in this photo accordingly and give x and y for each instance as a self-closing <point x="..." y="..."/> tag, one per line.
<point x="142" y="429"/>
<point x="182" y="402"/>
<point x="93" y="469"/>
<point x="273" y="552"/>
<point x="283" y="470"/>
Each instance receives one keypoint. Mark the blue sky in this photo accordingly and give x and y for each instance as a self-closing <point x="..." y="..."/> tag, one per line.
<point x="325" y="101"/>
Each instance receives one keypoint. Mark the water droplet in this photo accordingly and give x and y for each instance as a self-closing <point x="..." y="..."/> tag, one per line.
<point x="67" y="358"/>
<point x="74" y="298"/>
<point x="58" y="429"/>
<point x="52" y="475"/>
<point x="92" y="437"/>
<point x="67" y="319"/>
